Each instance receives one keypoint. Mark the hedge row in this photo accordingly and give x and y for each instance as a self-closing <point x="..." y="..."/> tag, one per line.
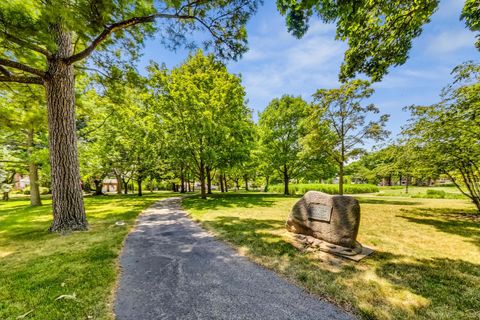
<point x="327" y="188"/>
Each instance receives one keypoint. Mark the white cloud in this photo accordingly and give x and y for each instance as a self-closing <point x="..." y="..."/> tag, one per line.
<point x="278" y="63"/>
<point x="451" y="41"/>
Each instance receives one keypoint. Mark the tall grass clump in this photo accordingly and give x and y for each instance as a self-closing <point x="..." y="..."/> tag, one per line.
<point x="302" y="188"/>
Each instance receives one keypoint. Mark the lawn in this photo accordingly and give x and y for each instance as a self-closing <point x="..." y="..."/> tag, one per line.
<point x="37" y="267"/>
<point x="426" y="263"/>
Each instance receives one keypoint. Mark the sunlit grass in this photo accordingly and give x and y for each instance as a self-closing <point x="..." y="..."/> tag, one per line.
<point x="426" y="264"/>
<point x="36" y="267"/>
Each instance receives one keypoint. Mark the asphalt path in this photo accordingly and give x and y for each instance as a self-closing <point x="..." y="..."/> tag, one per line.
<point x="173" y="269"/>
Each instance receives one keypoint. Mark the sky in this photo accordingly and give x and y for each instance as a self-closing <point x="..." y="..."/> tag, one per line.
<point x="277" y="63"/>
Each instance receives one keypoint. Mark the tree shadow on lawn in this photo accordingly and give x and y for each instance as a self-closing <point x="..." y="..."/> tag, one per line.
<point x="403" y="286"/>
<point x="228" y="200"/>
<point x="465" y="224"/>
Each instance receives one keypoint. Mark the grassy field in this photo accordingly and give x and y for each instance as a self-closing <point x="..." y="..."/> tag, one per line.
<point x="37" y="267"/>
<point x="426" y="263"/>
<point x="449" y="192"/>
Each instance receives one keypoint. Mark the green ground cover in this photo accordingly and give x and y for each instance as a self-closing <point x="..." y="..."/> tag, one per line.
<point x="37" y="267"/>
<point x="426" y="264"/>
<point x="440" y="192"/>
<point x="301" y="188"/>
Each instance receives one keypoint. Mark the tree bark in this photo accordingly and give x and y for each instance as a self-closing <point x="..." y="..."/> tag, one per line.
<point x="119" y="183"/>
<point x="98" y="187"/>
<point x="125" y="186"/>
<point x="203" y="190"/>
<point x="35" y="199"/>
<point x="245" y="177"/>
<point x="209" y="179"/>
<point x="67" y="196"/>
<point x="286" y="180"/>
<point x="220" y="180"/>
<point x="267" y="181"/>
<point x="340" y="179"/>
<point x="225" y="182"/>
<point x="139" y="184"/>
<point x="182" y="186"/>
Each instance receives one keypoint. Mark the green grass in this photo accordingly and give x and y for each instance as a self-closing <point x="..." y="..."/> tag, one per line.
<point x="36" y="266"/>
<point x="426" y="263"/>
<point x="450" y="192"/>
<point x="302" y="188"/>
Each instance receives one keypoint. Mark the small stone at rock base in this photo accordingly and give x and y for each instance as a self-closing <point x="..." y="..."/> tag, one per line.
<point x="334" y="219"/>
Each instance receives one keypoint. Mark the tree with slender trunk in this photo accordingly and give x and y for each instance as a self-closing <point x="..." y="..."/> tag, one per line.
<point x="339" y="123"/>
<point x="42" y="41"/>
<point x="281" y="131"/>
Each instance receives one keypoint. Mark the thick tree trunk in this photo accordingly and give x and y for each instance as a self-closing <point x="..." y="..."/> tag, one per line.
<point x="203" y="190"/>
<point x="340" y="179"/>
<point x="33" y="173"/>
<point x="119" y="184"/>
<point x="6" y="196"/>
<point x="209" y="179"/>
<point x="139" y="184"/>
<point x="67" y="197"/>
<point x="225" y="184"/>
<point x="125" y="186"/>
<point x="98" y="187"/>
<point x="286" y="180"/>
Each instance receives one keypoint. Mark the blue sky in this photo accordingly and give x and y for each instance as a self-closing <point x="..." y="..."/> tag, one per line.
<point x="277" y="63"/>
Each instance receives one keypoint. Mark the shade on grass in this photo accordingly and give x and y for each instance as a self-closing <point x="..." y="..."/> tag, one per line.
<point x="37" y="267"/>
<point x="426" y="264"/>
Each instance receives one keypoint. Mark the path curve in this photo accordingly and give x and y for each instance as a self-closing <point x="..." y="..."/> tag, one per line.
<point x="173" y="269"/>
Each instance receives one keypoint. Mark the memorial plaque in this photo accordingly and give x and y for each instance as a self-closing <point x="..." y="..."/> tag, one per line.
<point x="320" y="212"/>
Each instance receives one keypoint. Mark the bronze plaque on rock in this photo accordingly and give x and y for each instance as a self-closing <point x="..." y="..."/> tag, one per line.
<point x="320" y="212"/>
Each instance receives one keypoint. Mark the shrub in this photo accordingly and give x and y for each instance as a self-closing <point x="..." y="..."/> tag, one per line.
<point x="436" y="193"/>
<point x="43" y="190"/>
<point x="327" y="188"/>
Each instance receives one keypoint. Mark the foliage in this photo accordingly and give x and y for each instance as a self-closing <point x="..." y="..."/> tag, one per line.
<point x="280" y="132"/>
<point x="326" y="188"/>
<point x="342" y="112"/>
<point x="448" y="132"/>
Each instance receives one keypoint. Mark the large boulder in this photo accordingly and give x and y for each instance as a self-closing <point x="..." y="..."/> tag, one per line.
<point x="334" y="219"/>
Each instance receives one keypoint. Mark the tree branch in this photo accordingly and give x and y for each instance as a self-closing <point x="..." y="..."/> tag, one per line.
<point x="21" y="79"/>
<point x="22" y="67"/>
<point x="27" y="44"/>
<point x="118" y="26"/>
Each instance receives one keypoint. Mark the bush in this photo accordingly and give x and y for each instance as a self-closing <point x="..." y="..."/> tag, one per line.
<point x="436" y="193"/>
<point x="43" y="191"/>
<point x="327" y="188"/>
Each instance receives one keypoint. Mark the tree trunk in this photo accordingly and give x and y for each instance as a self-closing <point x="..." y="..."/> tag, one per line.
<point x="237" y="186"/>
<point x="98" y="187"/>
<point x="220" y="180"/>
<point x="139" y="184"/>
<point x="35" y="199"/>
<point x="286" y="180"/>
<point x="340" y="179"/>
<point x="267" y="180"/>
<point x="6" y="196"/>
<point x="33" y="173"/>
<point x="209" y="179"/>
<point x="202" y="180"/>
<point x="407" y="180"/>
<point x="246" y="182"/>
<point x="67" y="196"/>
<point x="125" y="186"/>
<point x="119" y="184"/>
<point x="225" y="182"/>
<point x="182" y="186"/>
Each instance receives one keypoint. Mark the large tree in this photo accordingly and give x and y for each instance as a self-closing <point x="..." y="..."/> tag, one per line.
<point x="202" y="109"/>
<point x="344" y="112"/>
<point x="41" y="41"/>
<point x="379" y="33"/>
<point x="447" y="133"/>
<point x="281" y="131"/>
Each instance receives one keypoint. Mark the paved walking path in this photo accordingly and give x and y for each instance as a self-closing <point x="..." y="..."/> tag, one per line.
<point x="173" y="269"/>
